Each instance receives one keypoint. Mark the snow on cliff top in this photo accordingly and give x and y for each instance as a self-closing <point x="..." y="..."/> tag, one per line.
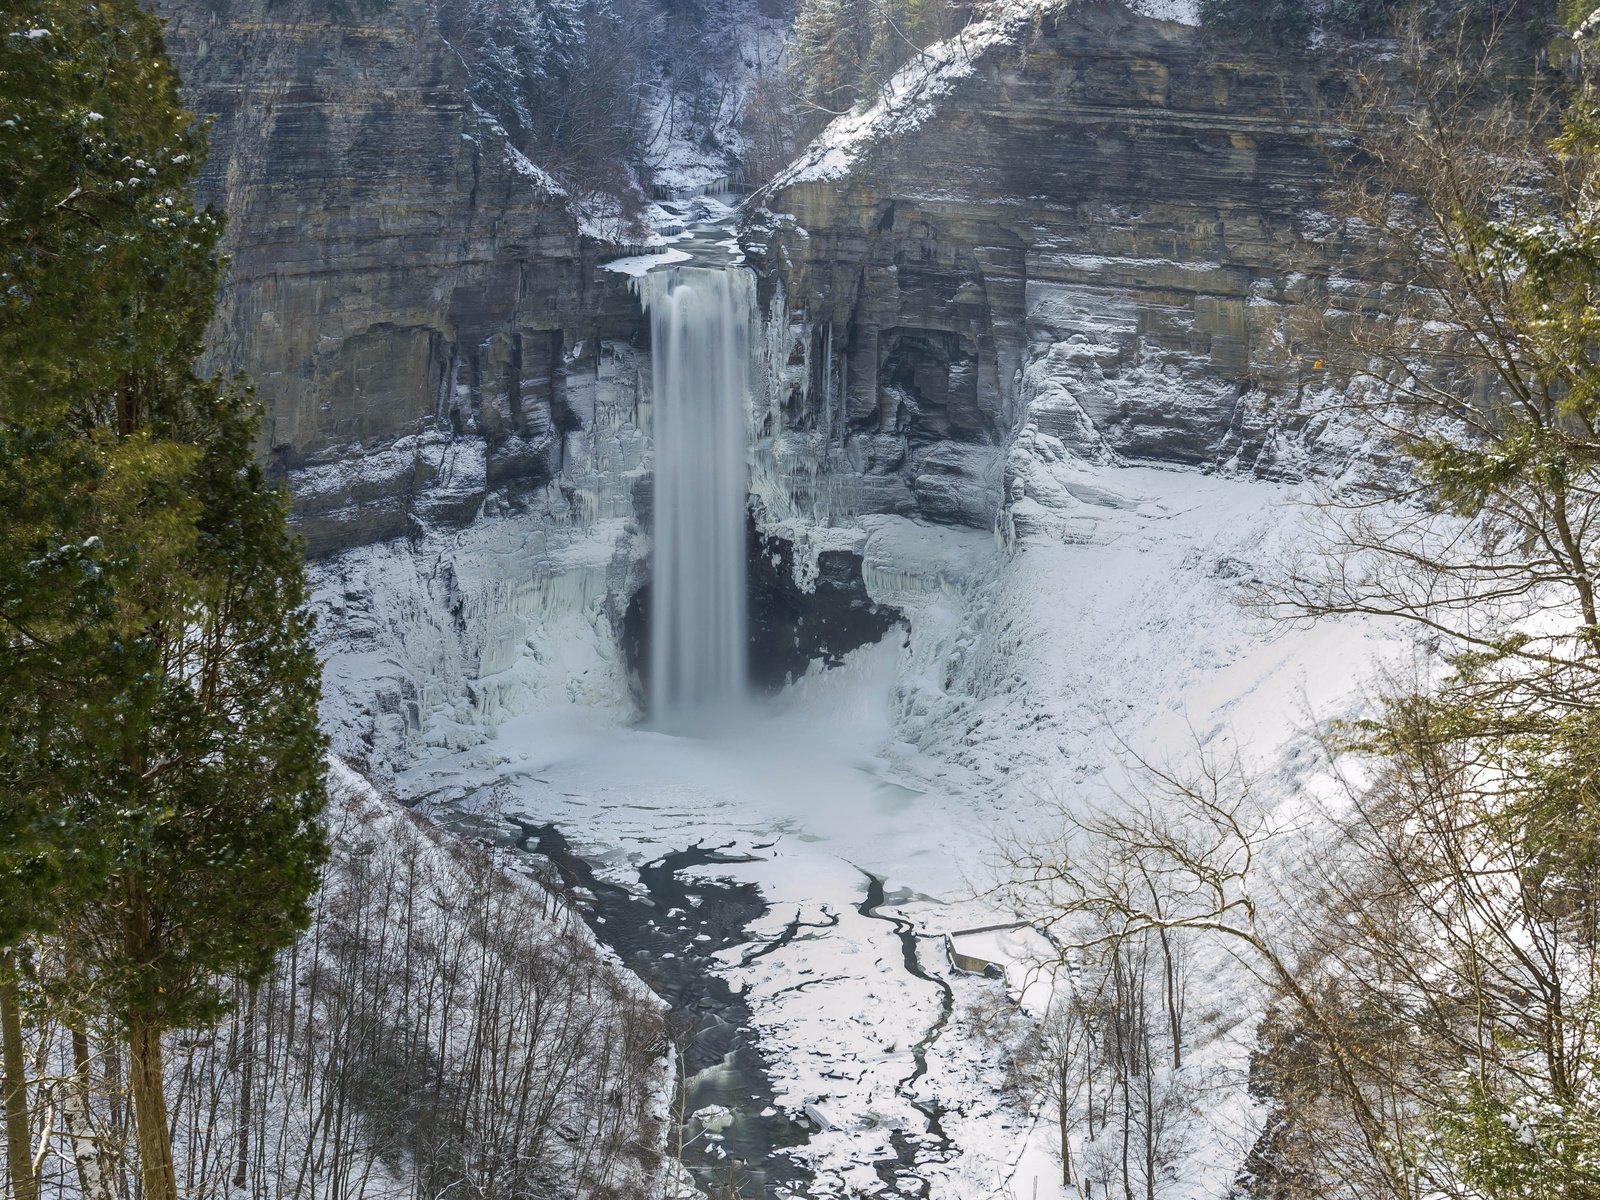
<point x="1183" y="12"/>
<point x="914" y="91"/>
<point x="910" y="97"/>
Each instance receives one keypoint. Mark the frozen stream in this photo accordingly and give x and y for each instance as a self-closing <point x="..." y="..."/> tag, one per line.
<point x="666" y="934"/>
<point x="789" y="899"/>
<point x="1008" y="692"/>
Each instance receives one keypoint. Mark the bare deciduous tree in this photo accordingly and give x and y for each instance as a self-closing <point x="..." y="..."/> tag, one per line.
<point x="431" y="1034"/>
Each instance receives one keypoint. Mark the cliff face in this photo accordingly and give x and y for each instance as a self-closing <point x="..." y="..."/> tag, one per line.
<point x="1093" y="234"/>
<point x="418" y="309"/>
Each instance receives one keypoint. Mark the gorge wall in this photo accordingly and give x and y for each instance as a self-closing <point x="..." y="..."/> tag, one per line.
<point x="1079" y="233"/>
<point x="415" y="302"/>
<point x="1092" y="226"/>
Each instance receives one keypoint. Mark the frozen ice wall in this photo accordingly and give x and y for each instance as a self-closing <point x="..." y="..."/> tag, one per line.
<point x="700" y="329"/>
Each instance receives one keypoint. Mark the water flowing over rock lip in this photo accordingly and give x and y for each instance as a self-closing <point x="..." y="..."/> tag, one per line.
<point x="701" y="333"/>
<point x="640" y="265"/>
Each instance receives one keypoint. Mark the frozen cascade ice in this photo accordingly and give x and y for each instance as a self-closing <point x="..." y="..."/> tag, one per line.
<point x="700" y="330"/>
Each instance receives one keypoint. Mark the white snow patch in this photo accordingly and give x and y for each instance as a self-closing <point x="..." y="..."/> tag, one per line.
<point x="909" y="98"/>
<point x="639" y="265"/>
<point x="1183" y="12"/>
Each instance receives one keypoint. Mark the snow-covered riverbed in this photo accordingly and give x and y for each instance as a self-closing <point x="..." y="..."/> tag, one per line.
<point x="1021" y="671"/>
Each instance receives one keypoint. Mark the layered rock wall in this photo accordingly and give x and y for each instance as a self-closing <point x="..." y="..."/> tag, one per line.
<point x="1099" y="231"/>
<point x="417" y="306"/>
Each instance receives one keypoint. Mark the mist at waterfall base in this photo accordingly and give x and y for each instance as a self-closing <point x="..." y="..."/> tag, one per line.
<point x="809" y="750"/>
<point x="700" y="321"/>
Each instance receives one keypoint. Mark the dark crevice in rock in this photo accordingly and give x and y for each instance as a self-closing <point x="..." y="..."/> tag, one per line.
<point x="790" y="628"/>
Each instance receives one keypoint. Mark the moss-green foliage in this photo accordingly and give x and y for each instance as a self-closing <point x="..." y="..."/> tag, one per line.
<point x="99" y="247"/>
<point x="1574" y="13"/>
<point x="1517" y="1145"/>
<point x="160" y="768"/>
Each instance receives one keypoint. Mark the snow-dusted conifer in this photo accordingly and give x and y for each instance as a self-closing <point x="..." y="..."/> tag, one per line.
<point x="161" y="786"/>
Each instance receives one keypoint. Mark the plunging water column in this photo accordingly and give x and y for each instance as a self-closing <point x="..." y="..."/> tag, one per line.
<point x="700" y="323"/>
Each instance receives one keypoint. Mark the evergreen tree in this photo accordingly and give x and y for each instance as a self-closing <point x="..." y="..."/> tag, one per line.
<point x="87" y="224"/>
<point x="834" y="41"/>
<point x="525" y="51"/>
<point x="160" y="769"/>
<point x="227" y="784"/>
<point x="845" y="51"/>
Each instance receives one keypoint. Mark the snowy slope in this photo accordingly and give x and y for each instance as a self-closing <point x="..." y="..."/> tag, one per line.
<point x="1116" y="617"/>
<point x="422" y="1035"/>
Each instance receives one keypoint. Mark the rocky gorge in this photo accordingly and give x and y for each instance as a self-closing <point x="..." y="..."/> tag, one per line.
<point x="1097" y="224"/>
<point x="1035" y="301"/>
<point x="1075" y="230"/>
<point x="799" y="599"/>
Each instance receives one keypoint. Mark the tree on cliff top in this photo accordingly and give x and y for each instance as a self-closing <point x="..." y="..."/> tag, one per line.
<point x="846" y="51"/>
<point x="1291" y="24"/>
<point x="160" y="767"/>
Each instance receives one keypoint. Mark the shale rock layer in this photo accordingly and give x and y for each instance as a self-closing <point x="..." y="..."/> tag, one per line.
<point x="1100" y="231"/>
<point x="410" y="296"/>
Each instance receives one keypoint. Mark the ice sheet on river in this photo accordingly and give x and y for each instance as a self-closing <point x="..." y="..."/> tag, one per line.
<point x="1117" y="619"/>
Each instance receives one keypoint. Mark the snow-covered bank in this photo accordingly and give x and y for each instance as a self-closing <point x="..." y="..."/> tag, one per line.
<point x="425" y="1035"/>
<point x="1115" y="619"/>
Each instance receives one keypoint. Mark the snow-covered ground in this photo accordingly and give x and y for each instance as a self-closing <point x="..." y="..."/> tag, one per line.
<point x="1021" y="671"/>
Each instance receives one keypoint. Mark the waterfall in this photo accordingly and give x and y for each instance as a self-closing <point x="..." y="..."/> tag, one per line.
<point x="700" y="323"/>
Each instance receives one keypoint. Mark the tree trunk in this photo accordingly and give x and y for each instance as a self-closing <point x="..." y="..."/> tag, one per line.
<point x="1174" y="1016"/>
<point x="96" y="1178"/>
<point x="156" y="1168"/>
<point x="1063" y="1127"/>
<point x="247" y="1078"/>
<point x="19" y="1126"/>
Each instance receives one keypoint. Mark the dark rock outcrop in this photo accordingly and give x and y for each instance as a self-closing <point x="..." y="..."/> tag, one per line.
<point x="790" y="627"/>
<point x="1099" y="230"/>
<point x="412" y="299"/>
